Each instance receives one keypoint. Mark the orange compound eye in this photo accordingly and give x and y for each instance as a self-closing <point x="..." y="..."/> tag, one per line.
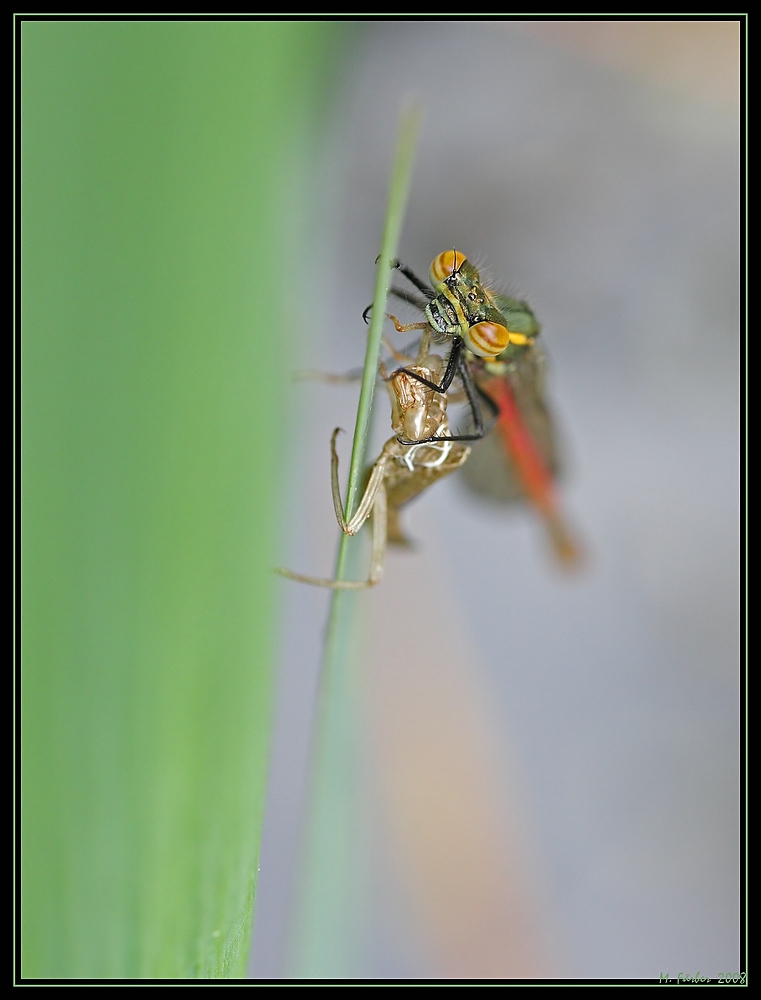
<point x="487" y="340"/>
<point x="444" y="266"/>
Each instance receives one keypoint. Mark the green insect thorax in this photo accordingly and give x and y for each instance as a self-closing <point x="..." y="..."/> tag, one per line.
<point x="518" y="316"/>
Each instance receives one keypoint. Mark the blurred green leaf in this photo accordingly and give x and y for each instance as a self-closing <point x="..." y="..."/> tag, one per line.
<point x="159" y="159"/>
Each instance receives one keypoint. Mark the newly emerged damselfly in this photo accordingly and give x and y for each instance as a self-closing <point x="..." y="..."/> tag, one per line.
<point x="421" y="452"/>
<point x="495" y="352"/>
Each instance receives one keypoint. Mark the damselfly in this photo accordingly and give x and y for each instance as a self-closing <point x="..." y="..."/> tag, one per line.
<point x="496" y="354"/>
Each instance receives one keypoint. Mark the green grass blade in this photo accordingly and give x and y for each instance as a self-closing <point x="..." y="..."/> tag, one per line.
<point x="397" y="202"/>
<point x="160" y="160"/>
<point x="401" y="176"/>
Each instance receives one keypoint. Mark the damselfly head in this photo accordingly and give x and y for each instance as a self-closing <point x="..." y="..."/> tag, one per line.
<point x="462" y="305"/>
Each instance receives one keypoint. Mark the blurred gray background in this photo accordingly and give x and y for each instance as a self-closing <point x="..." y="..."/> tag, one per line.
<point x="591" y="167"/>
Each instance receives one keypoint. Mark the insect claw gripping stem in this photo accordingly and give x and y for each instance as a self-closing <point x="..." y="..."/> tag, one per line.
<point x="410" y="275"/>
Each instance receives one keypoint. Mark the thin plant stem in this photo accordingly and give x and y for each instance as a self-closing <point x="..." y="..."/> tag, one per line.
<point x="333" y="733"/>
<point x="342" y="601"/>
<point x="397" y="202"/>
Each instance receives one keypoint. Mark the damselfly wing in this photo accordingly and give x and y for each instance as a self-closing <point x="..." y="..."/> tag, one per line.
<point x="518" y="460"/>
